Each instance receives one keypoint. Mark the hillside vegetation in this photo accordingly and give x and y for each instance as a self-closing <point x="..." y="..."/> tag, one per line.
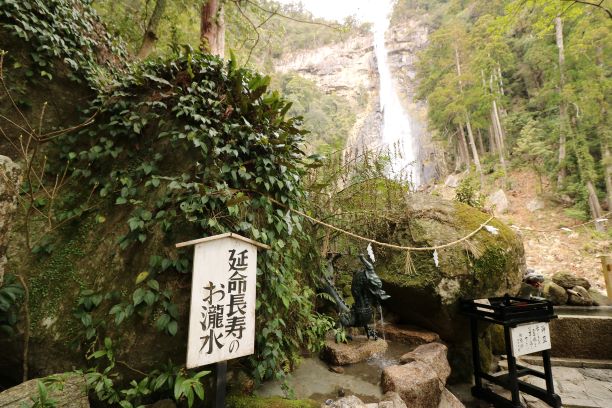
<point x="523" y="83"/>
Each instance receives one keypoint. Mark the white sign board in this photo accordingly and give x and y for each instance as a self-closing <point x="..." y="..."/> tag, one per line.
<point x="222" y="315"/>
<point x="530" y="338"/>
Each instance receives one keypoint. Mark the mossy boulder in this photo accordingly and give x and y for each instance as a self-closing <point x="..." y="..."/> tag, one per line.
<point x="485" y="265"/>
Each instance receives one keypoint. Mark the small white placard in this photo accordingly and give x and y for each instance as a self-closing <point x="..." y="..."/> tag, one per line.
<point x="222" y="316"/>
<point x="530" y="338"/>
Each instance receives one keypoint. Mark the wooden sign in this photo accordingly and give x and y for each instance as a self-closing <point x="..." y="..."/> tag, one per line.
<point x="530" y="338"/>
<point x="222" y="315"/>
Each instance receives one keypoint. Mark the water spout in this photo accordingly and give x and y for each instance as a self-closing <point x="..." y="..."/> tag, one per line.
<point x="382" y="322"/>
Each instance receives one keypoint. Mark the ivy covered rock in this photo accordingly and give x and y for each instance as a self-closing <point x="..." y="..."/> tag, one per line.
<point x="180" y="148"/>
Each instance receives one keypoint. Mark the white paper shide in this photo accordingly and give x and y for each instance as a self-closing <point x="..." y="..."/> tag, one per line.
<point x="222" y="317"/>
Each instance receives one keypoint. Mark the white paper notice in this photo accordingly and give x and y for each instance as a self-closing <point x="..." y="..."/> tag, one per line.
<point x="530" y="338"/>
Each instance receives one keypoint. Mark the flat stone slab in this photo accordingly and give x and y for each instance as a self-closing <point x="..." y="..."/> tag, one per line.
<point x="355" y="351"/>
<point x="410" y="335"/>
<point x="67" y="390"/>
<point x="577" y="387"/>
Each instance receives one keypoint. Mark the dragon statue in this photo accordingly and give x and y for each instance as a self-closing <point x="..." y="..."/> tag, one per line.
<point x="366" y="288"/>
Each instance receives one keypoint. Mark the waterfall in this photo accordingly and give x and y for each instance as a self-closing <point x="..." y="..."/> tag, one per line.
<point x="396" y="127"/>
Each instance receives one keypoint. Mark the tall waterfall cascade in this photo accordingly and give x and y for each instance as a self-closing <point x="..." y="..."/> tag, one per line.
<point x="397" y="134"/>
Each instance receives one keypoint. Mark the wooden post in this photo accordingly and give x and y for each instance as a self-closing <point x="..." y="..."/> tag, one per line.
<point x="221" y="384"/>
<point x="606" y="266"/>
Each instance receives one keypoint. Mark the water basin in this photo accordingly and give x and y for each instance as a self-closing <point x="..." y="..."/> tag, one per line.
<point x="313" y="379"/>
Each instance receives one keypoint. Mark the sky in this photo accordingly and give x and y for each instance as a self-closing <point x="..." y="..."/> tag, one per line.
<point x="364" y="10"/>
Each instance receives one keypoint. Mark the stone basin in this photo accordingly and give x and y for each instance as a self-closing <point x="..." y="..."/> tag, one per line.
<point x="582" y="332"/>
<point x="314" y="380"/>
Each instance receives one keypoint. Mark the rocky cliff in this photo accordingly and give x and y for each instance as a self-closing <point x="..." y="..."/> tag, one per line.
<point x="349" y="69"/>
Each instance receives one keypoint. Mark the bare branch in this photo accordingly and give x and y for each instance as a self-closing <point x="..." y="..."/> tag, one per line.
<point x="598" y="5"/>
<point x="332" y="26"/>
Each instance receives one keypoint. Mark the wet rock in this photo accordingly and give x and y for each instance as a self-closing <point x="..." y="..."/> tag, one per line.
<point x="67" y="390"/>
<point x="432" y="355"/>
<point x="346" y="402"/>
<point x="392" y="400"/>
<point x="569" y="280"/>
<point x="417" y="384"/>
<point x="448" y="400"/>
<point x="579" y="296"/>
<point x="498" y="202"/>
<point x="555" y="293"/>
<point x="336" y="369"/>
<point x="411" y="335"/>
<point x="536" y="204"/>
<point x="354" y="351"/>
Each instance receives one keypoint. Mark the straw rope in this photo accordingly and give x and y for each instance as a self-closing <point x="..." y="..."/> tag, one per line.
<point x="384" y="244"/>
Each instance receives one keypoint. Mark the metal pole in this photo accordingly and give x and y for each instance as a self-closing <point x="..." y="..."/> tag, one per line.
<point x="221" y="384"/>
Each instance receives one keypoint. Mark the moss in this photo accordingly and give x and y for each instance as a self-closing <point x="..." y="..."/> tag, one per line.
<point x="54" y="278"/>
<point x="274" y="402"/>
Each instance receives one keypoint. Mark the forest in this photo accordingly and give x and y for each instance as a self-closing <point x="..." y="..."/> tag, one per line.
<point x="128" y="126"/>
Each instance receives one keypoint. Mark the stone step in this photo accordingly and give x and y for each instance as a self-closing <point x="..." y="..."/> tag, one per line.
<point x="569" y="362"/>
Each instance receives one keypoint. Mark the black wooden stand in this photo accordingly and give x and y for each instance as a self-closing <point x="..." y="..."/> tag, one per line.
<point x="509" y="312"/>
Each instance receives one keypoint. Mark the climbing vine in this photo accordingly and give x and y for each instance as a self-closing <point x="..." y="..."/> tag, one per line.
<point x="68" y="31"/>
<point x="193" y="146"/>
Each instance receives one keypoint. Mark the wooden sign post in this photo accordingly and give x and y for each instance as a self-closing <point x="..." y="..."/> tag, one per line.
<point x="222" y="314"/>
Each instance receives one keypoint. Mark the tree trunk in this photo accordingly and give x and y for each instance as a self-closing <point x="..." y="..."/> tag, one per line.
<point x="150" y="35"/>
<point x="498" y="137"/>
<point x="500" y="129"/>
<point x="562" y="105"/>
<point x="212" y="28"/>
<point x="596" y="211"/>
<point x="463" y="148"/>
<point x="481" y="148"/>
<point x="473" y="147"/>
<point x="492" y="143"/>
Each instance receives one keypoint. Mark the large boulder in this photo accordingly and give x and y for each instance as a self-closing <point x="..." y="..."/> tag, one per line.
<point x="579" y="296"/>
<point x="66" y="390"/>
<point x="432" y="355"/>
<point x="416" y="383"/>
<point x="498" y="202"/>
<point x="555" y="293"/>
<point x="485" y="265"/>
<point x="569" y="280"/>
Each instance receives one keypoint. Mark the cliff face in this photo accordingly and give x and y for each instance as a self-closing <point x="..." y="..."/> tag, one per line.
<point x="349" y="69"/>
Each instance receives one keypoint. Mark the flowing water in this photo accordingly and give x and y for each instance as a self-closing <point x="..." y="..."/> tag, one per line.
<point x="313" y="379"/>
<point x="396" y="132"/>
